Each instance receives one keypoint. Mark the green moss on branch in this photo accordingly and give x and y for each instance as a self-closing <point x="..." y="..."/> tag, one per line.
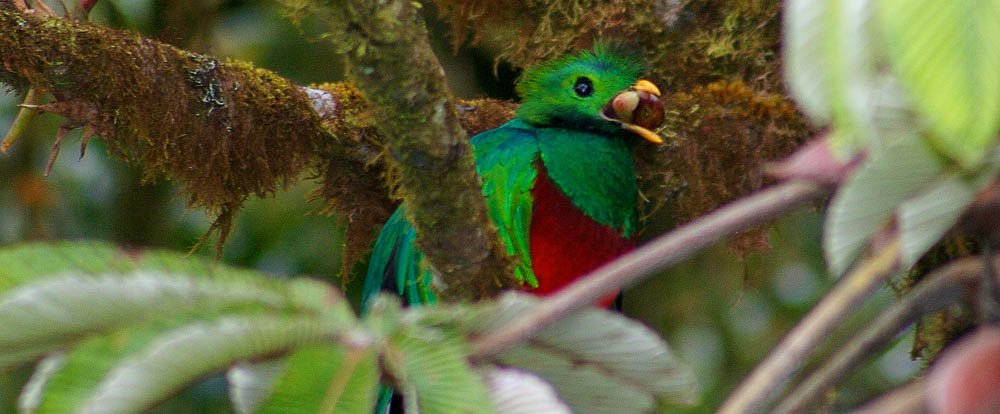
<point x="224" y="129"/>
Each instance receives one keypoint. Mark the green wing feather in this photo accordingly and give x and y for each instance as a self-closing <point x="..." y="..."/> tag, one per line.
<point x="396" y="264"/>
<point x="505" y="159"/>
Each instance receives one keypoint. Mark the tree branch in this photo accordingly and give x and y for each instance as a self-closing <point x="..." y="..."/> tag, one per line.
<point x="770" y="375"/>
<point x="651" y="258"/>
<point x="943" y="287"/>
<point x="224" y="129"/>
<point x="393" y="65"/>
<point x="906" y="399"/>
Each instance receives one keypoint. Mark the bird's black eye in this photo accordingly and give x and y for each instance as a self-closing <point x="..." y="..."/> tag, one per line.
<point x="583" y="87"/>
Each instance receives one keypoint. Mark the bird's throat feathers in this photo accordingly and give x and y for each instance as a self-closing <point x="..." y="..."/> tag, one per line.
<point x="595" y="172"/>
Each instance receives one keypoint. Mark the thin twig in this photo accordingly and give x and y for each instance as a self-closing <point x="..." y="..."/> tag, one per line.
<point x="652" y="258"/>
<point x="943" y="287"/>
<point x="903" y="400"/>
<point x="24" y="116"/>
<point x="784" y="359"/>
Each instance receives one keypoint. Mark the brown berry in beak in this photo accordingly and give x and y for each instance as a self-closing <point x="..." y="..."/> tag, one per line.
<point x="638" y="110"/>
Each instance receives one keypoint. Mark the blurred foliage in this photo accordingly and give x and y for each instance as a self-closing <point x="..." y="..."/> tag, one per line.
<point x="722" y="310"/>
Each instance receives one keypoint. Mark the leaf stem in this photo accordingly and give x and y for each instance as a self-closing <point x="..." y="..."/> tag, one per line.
<point x="801" y="341"/>
<point x="943" y="287"/>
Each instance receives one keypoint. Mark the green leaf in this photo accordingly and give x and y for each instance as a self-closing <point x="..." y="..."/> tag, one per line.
<point x="83" y="288"/>
<point x="77" y="305"/>
<point x="131" y="370"/>
<point x="25" y="262"/>
<point x="326" y="379"/>
<point x="599" y="361"/>
<point x="806" y="64"/>
<point x="252" y="383"/>
<point x="865" y="204"/>
<point x="832" y="63"/>
<point x="431" y="364"/>
<point x="514" y="391"/>
<point x="924" y="219"/>
<point x="947" y="57"/>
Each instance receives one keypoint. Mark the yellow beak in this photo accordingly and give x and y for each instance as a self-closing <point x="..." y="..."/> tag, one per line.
<point x="637" y="110"/>
<point x="643" y="85"/>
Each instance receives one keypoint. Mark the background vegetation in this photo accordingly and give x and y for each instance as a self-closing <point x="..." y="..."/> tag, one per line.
<point x="718" y="62"/>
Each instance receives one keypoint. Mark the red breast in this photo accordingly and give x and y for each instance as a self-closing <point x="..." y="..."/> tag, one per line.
<point x="565" y="243"/>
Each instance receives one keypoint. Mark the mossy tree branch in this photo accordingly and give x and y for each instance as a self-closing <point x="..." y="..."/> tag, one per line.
<point x="224" y="129"/>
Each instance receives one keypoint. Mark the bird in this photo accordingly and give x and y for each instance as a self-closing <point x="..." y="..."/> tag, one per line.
<point x="558" y="180"/>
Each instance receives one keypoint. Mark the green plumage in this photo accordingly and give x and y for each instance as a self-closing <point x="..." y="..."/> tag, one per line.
<point x="585" y="155"/>
<point x="556" y="127"/>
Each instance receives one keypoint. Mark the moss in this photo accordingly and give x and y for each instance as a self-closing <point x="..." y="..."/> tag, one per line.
<point x="722" y="135"/>
<point x="198" y="130"/>
<point x="935" y="331"/>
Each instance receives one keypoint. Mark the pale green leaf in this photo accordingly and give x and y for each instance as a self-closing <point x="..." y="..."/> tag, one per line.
<point x="431" y="364"/>
<point x="832" y="60"/>
<point x="46" y="312"/>
<point x="924" y="219"/>
<point x="514" y="391"/>
<point x="947" y="56"/>
<point x="21" y="263"/>
<point x="865" y="204"/>
<point x="85" y="366"/>
<point x="180" y="356"/>
<point x="806" y="62"/>
<point x="599" y="361"/>
<point x="29" y="262"/>
<point x="251" y="383"/>
<point x="326" y="379"/>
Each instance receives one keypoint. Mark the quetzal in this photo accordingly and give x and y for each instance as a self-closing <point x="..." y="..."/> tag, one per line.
<point x="558" y="179"/>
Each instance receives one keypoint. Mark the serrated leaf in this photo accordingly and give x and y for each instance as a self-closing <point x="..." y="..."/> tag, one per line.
<point x="47" y="312"/>
<point x="431" y="364"/>
<point x="864" y="204"/>
<point x="599" y="361"/>
<point x="251" y="383"/>
<point x="326" y="379"/>
<point x="924" y="219"/>
<point x="177" y="357"/>
<point x="947" y="56"/>
<point x="24" y="263"/>
<point x="514" y="391"/>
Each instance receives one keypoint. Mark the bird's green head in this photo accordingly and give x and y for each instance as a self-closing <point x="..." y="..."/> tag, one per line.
<point x="577" y="91"/>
